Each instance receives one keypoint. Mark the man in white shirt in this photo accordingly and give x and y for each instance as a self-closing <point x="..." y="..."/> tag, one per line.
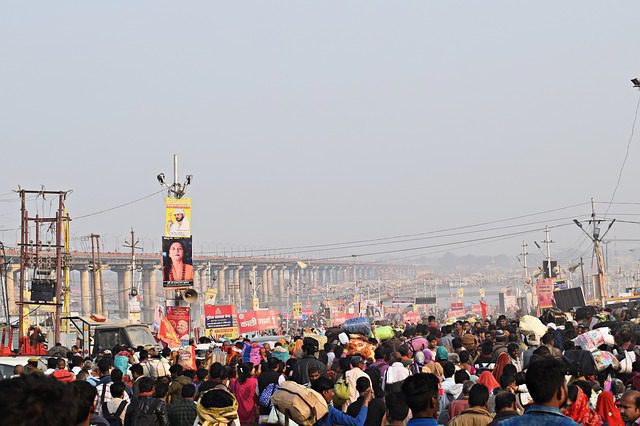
<point x="449" y="384"/>
<point x="357" y="371"/>
<point x="397" y="372"/>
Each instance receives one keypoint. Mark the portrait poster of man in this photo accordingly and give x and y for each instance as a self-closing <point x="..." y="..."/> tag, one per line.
<point x="178" y="217"/>
<point x="177" y="262"/>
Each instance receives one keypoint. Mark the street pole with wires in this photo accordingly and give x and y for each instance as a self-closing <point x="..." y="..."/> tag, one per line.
<point x="599" y="281"/>
<point x="134" y="290"/>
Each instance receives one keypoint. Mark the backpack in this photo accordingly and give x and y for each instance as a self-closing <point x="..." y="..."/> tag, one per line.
<point x="267" y="393"/>
<point x="299" y="403"/>
<point x="144" y="419"/>
<point x="113" y="418"/>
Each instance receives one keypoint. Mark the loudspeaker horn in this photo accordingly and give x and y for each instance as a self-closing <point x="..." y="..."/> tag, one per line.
<point x="190" y="296"/>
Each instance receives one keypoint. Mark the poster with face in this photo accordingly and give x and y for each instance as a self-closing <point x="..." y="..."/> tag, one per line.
<point x="178" y="217"/>
<point x="180" y="319"/>
<point x="177" y="262"/>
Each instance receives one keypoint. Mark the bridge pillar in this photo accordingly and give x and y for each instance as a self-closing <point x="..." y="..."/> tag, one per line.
<point x="85" y="291"/>
<point x="149" y="290"/>
<point x="222" y="284"/>
<point x="124" y="288"/>
<point x="264" y="286"/>
<point x="13" y="287"/>
<point x="269" y="290"/>
<point x="237" y="296"/>
<point x="281" y="283"/>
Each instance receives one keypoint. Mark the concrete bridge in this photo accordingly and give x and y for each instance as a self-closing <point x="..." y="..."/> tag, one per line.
<point x="230" y="276"/>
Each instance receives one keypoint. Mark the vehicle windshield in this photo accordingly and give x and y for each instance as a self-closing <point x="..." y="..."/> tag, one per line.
<point x="140" y="336"/>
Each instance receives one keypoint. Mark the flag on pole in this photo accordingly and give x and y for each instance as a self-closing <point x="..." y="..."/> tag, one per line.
<point x="483" y="309"/>
<point x="168" y="335"/>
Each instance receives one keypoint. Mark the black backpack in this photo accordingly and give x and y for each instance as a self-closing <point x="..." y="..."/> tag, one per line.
<point x="144" y="419"/>
<point x="113" y="418"/>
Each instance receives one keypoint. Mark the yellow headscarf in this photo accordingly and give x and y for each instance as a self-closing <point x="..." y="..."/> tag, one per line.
<point x="216" y="416"/>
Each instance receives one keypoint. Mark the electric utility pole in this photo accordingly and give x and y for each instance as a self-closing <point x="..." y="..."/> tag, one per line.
<point x="599" y="281"/>
<point x="96" y="281"/>
<point x="547" y="243"/>
<point x="133" y="245"/>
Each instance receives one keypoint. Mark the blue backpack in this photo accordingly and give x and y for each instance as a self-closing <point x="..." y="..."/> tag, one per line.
<point x="267" y="393"/>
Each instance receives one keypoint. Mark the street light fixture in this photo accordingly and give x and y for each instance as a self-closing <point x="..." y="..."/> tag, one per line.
<point x="176" y="189"/>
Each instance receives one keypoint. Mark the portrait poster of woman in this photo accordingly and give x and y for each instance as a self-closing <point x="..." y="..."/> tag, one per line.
<point x="177" y="263"/>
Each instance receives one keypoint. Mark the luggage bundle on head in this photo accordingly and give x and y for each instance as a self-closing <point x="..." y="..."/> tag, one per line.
<point x="532" y="325"/>
<point x="332" y="333"/>
<point x="299" y="403"/>
<point x="358" y="325"/>
<point x="360" y="346"/>
<point x="316" y="339"/>
<point x="594" y="338"/>
<point x="384" y="333"/>
<point x="604" y="359"/>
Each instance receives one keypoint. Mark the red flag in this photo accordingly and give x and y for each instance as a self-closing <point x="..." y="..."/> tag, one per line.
<point x="483" y="309"/>
<point x="168" y="335"/>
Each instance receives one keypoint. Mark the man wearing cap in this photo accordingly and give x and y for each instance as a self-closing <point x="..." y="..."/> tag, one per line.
<point x="301" y="368"/>
<point x="533" y="342"/>
<point x="179" y="225"/>
<point x="352" y="376"/>
<point x="470" y="344"/>
<point x="501" y="344"/>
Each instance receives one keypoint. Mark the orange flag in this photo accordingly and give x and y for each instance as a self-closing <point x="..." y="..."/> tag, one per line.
<point x="168" y="335"/>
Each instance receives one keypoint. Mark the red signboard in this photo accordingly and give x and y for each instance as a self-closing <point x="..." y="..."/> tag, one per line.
<point x="261" y="320"/>
<point x="247" y="322"/>
<point x="219" y="316"/>
<point x="457" y="306"/>
<point x="267" y="319"/>
<point x="180" y="319"/>
<point x="412" y="317"/>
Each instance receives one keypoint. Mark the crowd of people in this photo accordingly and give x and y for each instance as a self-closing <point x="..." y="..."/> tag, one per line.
<point x="461" y="374"/>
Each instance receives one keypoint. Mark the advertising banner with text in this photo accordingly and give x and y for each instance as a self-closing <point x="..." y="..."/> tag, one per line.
<point x="219" y="316"/>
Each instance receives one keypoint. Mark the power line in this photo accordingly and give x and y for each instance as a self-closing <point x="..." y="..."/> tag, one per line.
<point x="440" y="245"/>
<point x="626" y="155"/>
<point x="119" y="206"/>
<point x="415" y="234"/>
<point x="428" y="237"/>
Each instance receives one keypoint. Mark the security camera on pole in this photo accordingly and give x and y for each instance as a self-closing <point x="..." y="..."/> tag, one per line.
<point x="177" y="254"/>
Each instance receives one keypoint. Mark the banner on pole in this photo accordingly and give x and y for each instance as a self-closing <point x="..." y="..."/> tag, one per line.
<point x="167" y="334"/>
<point x="297" y="310"/>
<point x="180" y="319"/>
<point x="177" y="217"/>
<point x="177" y="262"/>
<point x="545" y="293"/>
<point x="210" y="296"/>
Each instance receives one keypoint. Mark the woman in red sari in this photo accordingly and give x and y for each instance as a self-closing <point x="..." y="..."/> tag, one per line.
<point x="487" y="379"/>
<point x="606" y="408"/>
<point x="579" y="409"/>
<point x="503" y="359"/>
<point x="245" y="391"/>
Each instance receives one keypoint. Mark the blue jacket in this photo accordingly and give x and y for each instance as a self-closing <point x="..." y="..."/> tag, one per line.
<point x="422" y="422"/>
<point x="337" y="417"/>
<point x="539" y="415"/>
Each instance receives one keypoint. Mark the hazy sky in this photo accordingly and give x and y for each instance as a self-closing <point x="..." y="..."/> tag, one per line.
<point x="316" y="122"/>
